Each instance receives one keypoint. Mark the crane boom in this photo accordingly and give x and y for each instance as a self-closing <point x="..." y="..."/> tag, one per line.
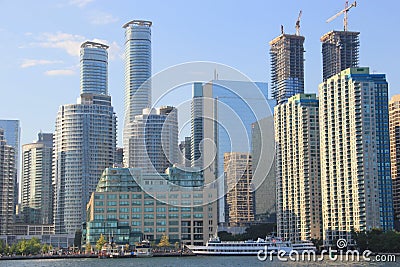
<point x="298" y="23"/>
<point x="344" y="11"/>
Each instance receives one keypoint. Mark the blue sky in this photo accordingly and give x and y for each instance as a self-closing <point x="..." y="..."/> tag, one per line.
<point x="39" y="42"/>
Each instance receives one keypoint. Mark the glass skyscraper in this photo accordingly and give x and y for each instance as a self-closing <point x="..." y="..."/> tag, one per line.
<point x="94" y="67"/>
<point x="84" y="145"/>
<point x="223" y="111"/>
<point x="137" y="74"/>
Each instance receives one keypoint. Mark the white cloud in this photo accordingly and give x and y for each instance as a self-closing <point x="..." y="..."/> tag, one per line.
<point x="62" y="72"/>
<point x="26" y="63"/>
<point x="101" y="18"/>
<point x="114" y="50"/>
<point x="80" y="3"/>
<point x="69" y="42"/>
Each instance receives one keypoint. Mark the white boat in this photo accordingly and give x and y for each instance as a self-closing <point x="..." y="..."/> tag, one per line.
<point x="143" y="249"/>
<point x="268" y="245"/>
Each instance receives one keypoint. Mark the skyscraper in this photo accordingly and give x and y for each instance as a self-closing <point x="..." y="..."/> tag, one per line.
<point x="355" y="160"/>
<point x="12" y="135"/>
<point x="94" y="68"/>
<point x="7" y="185"/>
<point x="263" y="173"/>
<point x="154" y="140"/>
<point x="84" y="145"/>
<point x="298" y="182"/>
<point x="137" y="75"/>
<point x="339" y="52"/>
<point x="394" y="129"/>
<point x="222" y="115"/>
<point x="287" y="66"/>
<point x="37" y="189"/>
<point x="185" y="152"/>
<point x="237" y="168"/>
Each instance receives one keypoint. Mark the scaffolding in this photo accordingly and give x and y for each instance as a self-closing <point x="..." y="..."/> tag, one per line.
<point x="287" y="66"/>
<point x="339" y="52"/>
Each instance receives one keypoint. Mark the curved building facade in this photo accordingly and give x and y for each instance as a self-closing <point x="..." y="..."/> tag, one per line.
<point x="94" y="68"/>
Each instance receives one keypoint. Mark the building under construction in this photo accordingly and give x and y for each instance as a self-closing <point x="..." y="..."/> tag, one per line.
<point x="339" y="52"/>
<point x="287" y="66"/>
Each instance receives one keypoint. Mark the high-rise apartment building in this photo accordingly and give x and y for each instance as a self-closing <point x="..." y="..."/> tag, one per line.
<point x="185" y="152"/>
<point x="238" y="173"/>
<point x="12" y="135"/>
<point x="355" y="160"/>
<point x="7" y="185"/>
<point x="94" y="68"/>
<point x="339" y="52"/>
<point x="287" y="66"/>
<point x="394" y="131"/>
<point x="137" y="75"/>
<point x="154" y="140"/>
<point x="37" y="189"/>
<point x="299" y="215"/>
<point x="84" y="145"/>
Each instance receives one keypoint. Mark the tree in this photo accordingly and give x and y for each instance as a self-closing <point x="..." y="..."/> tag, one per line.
<point x="2" y="247"/>
<point x="88" y="248"/>
<point x="100" y="243"/>
<point x="45" y="248"/>
<point x="164" y="241"/>
<point x="34" y="246"/>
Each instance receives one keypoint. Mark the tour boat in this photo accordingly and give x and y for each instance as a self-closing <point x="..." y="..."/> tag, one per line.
<point x="268" y="245"/>
<point x="143" y="249"/>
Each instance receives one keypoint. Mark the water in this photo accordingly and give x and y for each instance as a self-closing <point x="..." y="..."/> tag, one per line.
<point x="210" y="261"/>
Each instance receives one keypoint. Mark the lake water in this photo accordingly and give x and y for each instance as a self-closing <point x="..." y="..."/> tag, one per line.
<point x="231" y="261"/>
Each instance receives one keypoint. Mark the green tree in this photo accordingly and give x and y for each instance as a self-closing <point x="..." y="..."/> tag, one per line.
<point x="88" y="248"/>
<point x="45" y="248"/>
<point x="2" y="247"/>
<point x="100" y="242"/>
<point x="164" y="241"/>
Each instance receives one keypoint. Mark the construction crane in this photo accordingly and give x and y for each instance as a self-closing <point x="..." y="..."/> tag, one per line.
<point x="344" y="11"/>
<point x="298" y="23"/>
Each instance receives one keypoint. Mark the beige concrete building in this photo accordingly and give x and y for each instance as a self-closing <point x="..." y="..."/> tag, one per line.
<point x="238" y="175"/>
<point x="299" y="214"/>
<point x="355" y="159"/>
<point x="394" y="131"/>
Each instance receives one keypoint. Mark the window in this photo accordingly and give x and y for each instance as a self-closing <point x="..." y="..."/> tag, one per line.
<point x="111" y="203"/>
<point x="149" y="216"/>
<point x="111" y="216"/>
<point x="124" y="210"/>
<point x="124" y="196"/>
<point x="136" y="223"/>
<point x="99" y="203"/>
<point x="161" y="209"/>
<point x="111" y="209"/>
<point x="149" y="202"/>
<point x="124" y="216"/>
<point x="112" y="196"/>
<point x="148" y="209"/>
<point x="136" y="210"/>
<point x="124" y="203"/>
<point x="136" y="203"/>
<point x="137" y="196"/>
<point x="98" y="217"/>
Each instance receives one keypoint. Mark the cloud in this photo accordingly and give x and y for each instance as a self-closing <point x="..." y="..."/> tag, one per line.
<point x="61" y="72"/>
<point x="69" y="42"/>
<point x="80" y="3"/>
<point x="101" y="18"/>
<point x="114" y="50"/>
<point x="26" y="63"/>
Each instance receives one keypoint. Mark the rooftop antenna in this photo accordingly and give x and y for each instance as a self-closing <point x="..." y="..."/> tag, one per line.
<point x="282" y="32"/>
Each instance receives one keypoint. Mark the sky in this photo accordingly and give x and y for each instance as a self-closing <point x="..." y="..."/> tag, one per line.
<point x="40" y="40"/>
